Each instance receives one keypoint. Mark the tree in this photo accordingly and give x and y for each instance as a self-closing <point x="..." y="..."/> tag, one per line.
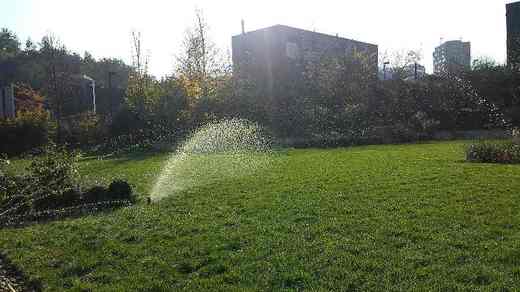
<point x="29" y="46"/>
<point x="335" y="85"/>
<point x="199" y="61"/>
<point x="9" y="50"/>
<point x="498" y="84"/>
<point x="108" y="72"/>
<point x="28" y="99"/>
<point x="9" y="44"/>
<point x="60" y="67"/>
<point x="401" y="62"/>
<point x="142" y="87"/>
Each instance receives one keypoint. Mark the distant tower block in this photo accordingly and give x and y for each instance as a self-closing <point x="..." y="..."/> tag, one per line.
<point x="452" y="57"/>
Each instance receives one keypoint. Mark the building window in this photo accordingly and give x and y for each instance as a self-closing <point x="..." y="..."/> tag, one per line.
<point x="292" y="50"/>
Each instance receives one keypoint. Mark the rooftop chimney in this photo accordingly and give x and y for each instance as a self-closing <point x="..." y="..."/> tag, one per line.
<point x="243" y="27"/>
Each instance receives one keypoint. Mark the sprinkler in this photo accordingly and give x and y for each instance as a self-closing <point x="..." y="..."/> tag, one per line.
<point x="216" y="151"/>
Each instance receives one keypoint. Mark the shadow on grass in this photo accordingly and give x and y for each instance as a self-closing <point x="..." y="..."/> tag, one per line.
<point x="127" y="157"/>
<point x="51" y="216"/>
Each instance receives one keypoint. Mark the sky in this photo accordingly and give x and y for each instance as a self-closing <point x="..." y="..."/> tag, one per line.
<point x="103" y="27"/>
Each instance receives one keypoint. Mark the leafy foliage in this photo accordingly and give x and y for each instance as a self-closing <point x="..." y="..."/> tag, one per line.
<point x="50" y="189"/>
<point x="85" y="130"/>
<point x="28" y="99"/>
<point x="493" y="152"/>
<point x="27" y="131"/>
<point x="336" y="100"/>
<point x="500" y="84"/>
<point x="118" y="191"/>
<point x="9" y="44"/>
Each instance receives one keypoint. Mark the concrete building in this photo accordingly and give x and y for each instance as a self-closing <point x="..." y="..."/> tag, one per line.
<point x="82" y="96"/>
<point x="277" y="56"/>
<point x="452" y="57"/>
<point x="513" y="34"/>
<point x="87" y="93"/>
<point x="7" y="104"/>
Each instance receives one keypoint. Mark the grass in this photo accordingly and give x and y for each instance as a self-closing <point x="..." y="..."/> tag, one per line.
<point x="401" y="217"/>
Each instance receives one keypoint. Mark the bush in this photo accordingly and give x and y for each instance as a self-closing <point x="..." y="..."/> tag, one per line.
<point x="56" y="200"/>
<point x="50" y="183"/>
<point x="126" y="121"/>
<point x="57" y="168"/>
<point x="50" y="189"/>
<point x="121" y="190"/>
<point x="95" y="194"/>
<point x="28" y="130"/>
<point x="117" y="191"/>
<point x="493" y="152"/>
<point x="85" y="129"/>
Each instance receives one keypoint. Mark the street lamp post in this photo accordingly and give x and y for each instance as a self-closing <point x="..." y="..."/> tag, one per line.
<point x="110" y="92"/>
<point x="384" y="69"/>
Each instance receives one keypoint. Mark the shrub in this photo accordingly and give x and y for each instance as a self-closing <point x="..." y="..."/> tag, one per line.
<point x="117" y="191"/>
<point x="95" y="194"/>
<point x="50" y="183"/>
<point x="57" y="168"/>
<point x="56" y="200"/>
<point x="28" y="99"/>
<point x="5" y="181"/>
<point x="493" y="152"/>
<point x="50" y="190"/>
<point x="121" y="190"/>
<point x="126" y="121"/>
<point x="85" y="129"/>
<point x="28" y="130"/>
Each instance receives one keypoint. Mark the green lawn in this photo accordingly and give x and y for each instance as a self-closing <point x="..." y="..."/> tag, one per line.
<point x="407" y="217"/>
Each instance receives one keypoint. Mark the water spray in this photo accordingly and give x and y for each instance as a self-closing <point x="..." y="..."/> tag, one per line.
<point x="216" y="151"/>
